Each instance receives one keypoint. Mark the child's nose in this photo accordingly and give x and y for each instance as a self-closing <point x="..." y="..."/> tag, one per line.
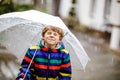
<point x="52" y="34"/>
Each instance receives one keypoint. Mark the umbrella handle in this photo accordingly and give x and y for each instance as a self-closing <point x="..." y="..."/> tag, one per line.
<point x="30" y="64"/>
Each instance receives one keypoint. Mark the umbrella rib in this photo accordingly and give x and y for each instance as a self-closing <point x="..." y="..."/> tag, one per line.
<point x="30" y="64"/>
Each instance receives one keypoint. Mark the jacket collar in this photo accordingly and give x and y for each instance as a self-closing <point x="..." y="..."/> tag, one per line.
<point x="58" y="49"/>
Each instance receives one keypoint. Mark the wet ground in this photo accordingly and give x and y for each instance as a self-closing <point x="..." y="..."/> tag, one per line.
<point x="104" y="64"/>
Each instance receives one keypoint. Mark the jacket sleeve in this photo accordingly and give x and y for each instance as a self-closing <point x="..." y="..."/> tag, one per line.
<point x="65" y="71"/>
<point x="24" y="66"/>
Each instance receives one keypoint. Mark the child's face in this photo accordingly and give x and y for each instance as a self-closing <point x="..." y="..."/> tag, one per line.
<point x="51" y="38"/>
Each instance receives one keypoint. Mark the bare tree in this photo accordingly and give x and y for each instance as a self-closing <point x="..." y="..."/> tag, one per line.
<point x="39" y="4"/>
<point x="56" y="5"/>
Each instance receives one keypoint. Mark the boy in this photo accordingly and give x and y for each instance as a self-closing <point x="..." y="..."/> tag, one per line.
<point x="51" y="61"/>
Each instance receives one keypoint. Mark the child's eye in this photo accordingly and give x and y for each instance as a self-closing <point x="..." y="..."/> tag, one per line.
<point x="55" y="34"/>
<point x="49" y="33"/>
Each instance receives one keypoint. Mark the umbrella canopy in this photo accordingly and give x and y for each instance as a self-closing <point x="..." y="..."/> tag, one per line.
<point x="20" y="30"/>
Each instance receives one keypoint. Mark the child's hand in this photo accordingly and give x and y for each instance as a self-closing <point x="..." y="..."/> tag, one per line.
<point x="20" y="79"/>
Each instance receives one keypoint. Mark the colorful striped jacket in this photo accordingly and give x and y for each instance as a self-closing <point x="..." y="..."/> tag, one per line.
<point x="48" y="64"/>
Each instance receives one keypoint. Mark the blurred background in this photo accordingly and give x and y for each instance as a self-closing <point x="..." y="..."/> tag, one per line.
<point x="96" y="23"/>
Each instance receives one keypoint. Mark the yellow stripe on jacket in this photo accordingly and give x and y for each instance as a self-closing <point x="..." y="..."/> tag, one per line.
<point x="35" y="47"/>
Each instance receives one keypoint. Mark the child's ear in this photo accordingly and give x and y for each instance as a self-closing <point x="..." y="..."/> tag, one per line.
<point x="60" y="39"/>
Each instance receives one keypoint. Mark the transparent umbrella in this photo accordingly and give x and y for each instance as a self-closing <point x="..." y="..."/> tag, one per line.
<point x="20" y="30"/>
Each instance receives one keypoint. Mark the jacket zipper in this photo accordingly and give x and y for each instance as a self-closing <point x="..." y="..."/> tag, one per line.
<point x="48" y="65"/>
